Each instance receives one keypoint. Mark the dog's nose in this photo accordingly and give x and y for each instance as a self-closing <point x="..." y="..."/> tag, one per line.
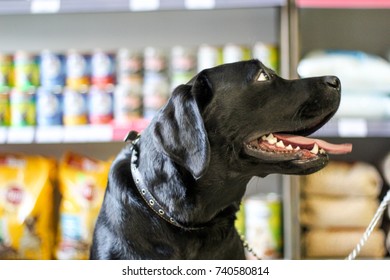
<point x="333" y="82"/>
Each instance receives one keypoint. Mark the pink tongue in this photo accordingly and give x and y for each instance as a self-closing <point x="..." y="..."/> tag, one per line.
<point x="305" y="141"/>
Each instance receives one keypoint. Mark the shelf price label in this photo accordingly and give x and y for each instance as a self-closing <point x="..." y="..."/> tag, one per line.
<point x="21" y="135"/>
<point x="87" y="133"/>
<point x="49" y="134"/>
<point x="144" y="5"/>
<point x="45" y="6"/>
<point x="353" y="127"/>
<point x="199" y="4"/>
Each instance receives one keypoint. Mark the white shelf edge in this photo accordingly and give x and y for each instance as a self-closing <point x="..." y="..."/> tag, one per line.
<point x="339" y="128"/>
<point x="68" y="134"/>
<point x="98" y="6"/>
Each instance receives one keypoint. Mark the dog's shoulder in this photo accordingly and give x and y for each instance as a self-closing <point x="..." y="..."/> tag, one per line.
<point x="120" y="175"/>
<point x="121" y="203"/>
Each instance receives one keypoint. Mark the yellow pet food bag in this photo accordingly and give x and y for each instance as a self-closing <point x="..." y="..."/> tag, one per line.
<point x="82" y="185"/>
<point x="26" y="207"/>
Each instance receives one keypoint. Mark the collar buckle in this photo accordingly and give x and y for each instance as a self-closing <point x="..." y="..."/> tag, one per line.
<point x="131" y="136"/>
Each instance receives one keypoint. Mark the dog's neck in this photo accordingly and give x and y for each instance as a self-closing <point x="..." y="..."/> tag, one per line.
<point x="148" y="197"/>
<point x="189" y="201"/>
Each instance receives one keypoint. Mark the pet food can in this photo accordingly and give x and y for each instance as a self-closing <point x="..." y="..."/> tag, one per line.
<point x="128" y="102"/>
<point x="52" y="69"/>
<point x="183" y="65"/>
<point x="156" y="83"/>
<point x="155" y="61"/>
<point x="209" y="56"/>
<point x="75" y="106"/>
<point x="100" y="105"/>
<point x="268" y="54"/>
<point x="240" y="220"/>
<point x="102" y="68"/>
<point x="5" y="70"/>
<point x="234" y="53"/>
<point x="77" y="70"/>
<point x="263" y="219"/>
<point x="22" y="104"/>
<point x="26" y="70"/>
<point x="129" y="67"/>
<point x="49" y="106"/>
<point x="4" y="106"/>
<point x="155" y="95"/>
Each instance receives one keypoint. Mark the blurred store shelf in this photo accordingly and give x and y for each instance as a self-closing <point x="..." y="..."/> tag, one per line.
<point x="69" y="134"/>
<point x="95" y="6"/>
<point x="346" y="127"/>
<point x="344" y="4"/>
<point x="355" y="127"/>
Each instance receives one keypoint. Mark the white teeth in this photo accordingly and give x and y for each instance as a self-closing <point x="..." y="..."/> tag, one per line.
<point x="280" y="144"/>
<point x="271" y="139"/>
<point x="315" y="149"/>
<point x="322" y="151"/>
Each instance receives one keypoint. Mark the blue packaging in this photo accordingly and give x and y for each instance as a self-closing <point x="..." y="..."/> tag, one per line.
<point x="52" y="69"/>
<point x="78" y="70"/>
<point x="49" y="106"/>
<point x="100" y="105"/>
<point x="75" y="106"/>
<point x="102" y="68"/>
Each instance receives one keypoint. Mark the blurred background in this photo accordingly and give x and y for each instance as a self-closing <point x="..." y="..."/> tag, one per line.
<point x="76" y="76"/>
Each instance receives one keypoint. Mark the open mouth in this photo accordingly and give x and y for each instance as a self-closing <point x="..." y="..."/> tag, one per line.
<point x="285" y="147"/>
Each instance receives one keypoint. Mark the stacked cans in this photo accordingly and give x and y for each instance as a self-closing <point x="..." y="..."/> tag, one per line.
<point x="99" y="87"/>
<point x="128" y="92"/>
<point x="4" y="107"/>
<point x="268" y="54"/>
<point x="76" y="88"/>
<point x="49" y="94"/>
<point x="5" y="82"/>
<point x="183" y="65"/>
<point x="233" y="53"/>
<point x="77" y="80"/>
<point x="209" y="56"/>
<point x="100" y="96"/>
<point x="88" y="96"/>
<point x="22" y="96"/>
<point x="156" y="90"/>
<point x="263" y="225"/>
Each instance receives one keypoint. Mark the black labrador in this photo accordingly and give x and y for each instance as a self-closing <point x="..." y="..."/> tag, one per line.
<point x="175" y="191"/>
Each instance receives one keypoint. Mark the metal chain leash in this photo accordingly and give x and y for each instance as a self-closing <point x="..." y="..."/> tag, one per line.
<point x="247" y="247"/>
<point x="378" y="215"/>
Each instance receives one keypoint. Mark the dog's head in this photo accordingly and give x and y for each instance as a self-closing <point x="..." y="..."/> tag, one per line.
<point x="250" y="118"/>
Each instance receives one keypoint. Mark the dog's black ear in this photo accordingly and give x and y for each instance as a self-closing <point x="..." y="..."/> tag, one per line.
<point x="180" y="132"/>
<point x="201" y="89"/>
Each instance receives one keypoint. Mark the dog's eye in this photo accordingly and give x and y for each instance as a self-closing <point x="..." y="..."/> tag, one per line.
<point x="262" y="77"/>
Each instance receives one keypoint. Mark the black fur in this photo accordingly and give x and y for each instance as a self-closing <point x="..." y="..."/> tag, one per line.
<point x="193" y="161"/>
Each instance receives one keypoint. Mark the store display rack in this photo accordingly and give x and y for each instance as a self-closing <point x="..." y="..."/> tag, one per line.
<point x="355" y="127"/>
<point x="69" y="134"/>
<point x="109" y="25"/>
<point x="351" y="127"/>
<point x="332" y="24"/>
<point x="93" y="6"/>
<point x="283" y="25"/>
<point x="363" y="4"/>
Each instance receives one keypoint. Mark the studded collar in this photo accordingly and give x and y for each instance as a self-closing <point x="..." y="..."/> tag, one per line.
<point x="147" y="196"/>
<point x="153" y="204"/>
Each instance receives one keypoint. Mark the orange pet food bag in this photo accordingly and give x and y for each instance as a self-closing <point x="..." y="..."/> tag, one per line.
<point x="82" y="185"/>
<point x="26" y="207"/>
